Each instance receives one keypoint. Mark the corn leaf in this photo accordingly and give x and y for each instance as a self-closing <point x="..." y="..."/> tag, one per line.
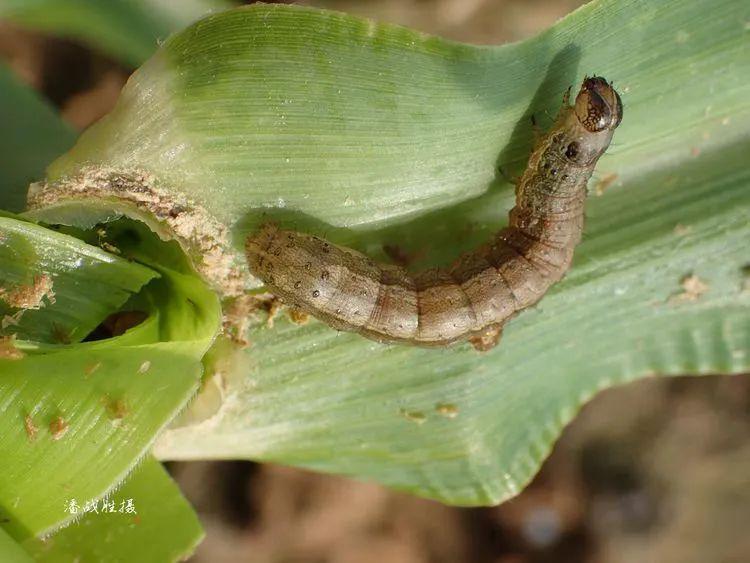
<point x="374" y="134"/>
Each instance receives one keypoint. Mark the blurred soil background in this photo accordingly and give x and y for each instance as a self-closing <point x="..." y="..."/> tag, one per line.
<point x="655" y="471"/>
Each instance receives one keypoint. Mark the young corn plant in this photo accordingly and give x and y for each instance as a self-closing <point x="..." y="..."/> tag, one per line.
<point x="129" y="325"/>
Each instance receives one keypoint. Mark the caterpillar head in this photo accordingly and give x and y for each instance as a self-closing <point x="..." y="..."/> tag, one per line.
<point x="598" y="106"/>
<point x="588" y="126"/>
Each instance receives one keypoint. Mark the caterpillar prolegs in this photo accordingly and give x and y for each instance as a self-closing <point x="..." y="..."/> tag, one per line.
<point x="483" y="289"/>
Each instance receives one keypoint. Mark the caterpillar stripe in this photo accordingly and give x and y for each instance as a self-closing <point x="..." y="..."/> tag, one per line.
<point x="483" y="289"/>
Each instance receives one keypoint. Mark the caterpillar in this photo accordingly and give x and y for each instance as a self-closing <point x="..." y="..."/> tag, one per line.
<point x="475" y="296"/>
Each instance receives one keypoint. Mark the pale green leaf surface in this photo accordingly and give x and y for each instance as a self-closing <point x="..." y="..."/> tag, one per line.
<point x="128" y="30"/>
<point x="338" y="403"/>
<point x="85" y="283"/>
<point x="163" y="527"/>
<point x="353" y="123"/>
<point x="114" y="396"/>
<point x="373" y="134"/>
<point x="11" y="551"/>
<point x="33" y="134"/>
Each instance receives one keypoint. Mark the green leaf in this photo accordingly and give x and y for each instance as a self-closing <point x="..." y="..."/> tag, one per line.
<point x="55" y="288"/>
<point x="372" y="134"/>
<point x="10" y="551"/>
<point x="91" y="410"/>
<point x="33" y="135"/>
<point x="162" y="528"/>
<point x="128" y="30"/>
<point x="473" y="429"/>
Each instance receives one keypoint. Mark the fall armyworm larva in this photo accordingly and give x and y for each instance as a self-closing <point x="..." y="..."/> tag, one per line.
<point x="483" y="289"/>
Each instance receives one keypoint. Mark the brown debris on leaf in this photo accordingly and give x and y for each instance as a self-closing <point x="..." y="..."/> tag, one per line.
<point x="204" y="238"/>
<point x="58" y="427"/>
<point x="448" y="410"/>
<point x="240" y="312"/>
<point x="487" y="339"/>
<point x="29" y="296"/>
<point x="8" y="350"/>
<point x="298" y="316"/>
<point x="116" y="409"/>
<point x="30" y="427"/>
<point x="272" y="307"/>
<point x="692" y="288"/>
<point x="12" y="320"/>
<point x="417" y="417"/>
<point x="236" y="319"/>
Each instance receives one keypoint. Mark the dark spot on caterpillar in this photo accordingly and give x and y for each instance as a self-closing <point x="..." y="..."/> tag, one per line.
<point x="572" y="150"/>
<point x="498" y="280"/>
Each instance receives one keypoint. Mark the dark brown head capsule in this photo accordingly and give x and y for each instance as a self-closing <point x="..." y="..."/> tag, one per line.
<point x="598" y="105"/>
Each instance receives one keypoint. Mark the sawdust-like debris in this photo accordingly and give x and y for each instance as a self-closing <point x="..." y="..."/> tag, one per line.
<point x="8" y="350"/>
<point x="116" y="409"/>
<point x="240" y="312"/>
<point x="199" y="233"/>
<point x="29" y="296"/>
<point x="692" y="288"/>
<point x="273" y="308"/>
<point x="237" y="316"/>
<point x="298" y="316"/>
<point x="31" y="428"/>
<point x="448" y="410"/>
<point x="12" y="320"/>
<point x="417" y="417"/>
<point x="58" y="427"/>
